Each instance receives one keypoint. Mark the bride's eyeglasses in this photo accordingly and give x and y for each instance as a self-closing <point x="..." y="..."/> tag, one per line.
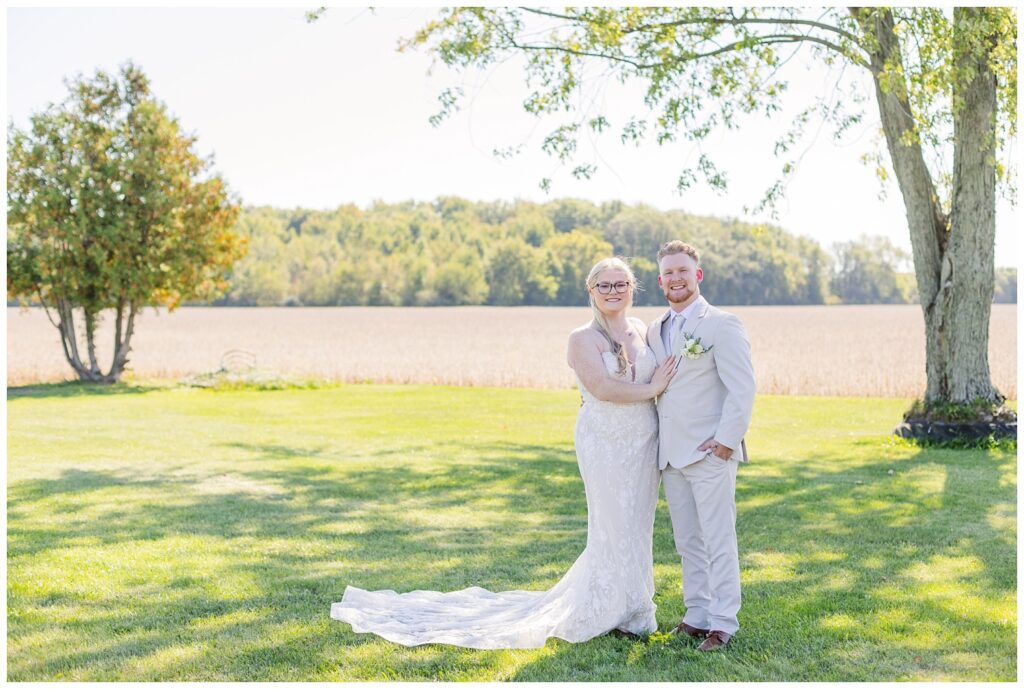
<point x="606" y="287"/>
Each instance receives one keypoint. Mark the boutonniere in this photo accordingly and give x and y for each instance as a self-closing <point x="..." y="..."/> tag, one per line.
<point x="692" y="348"/>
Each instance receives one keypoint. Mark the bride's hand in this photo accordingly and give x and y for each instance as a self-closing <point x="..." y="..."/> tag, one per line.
<point x="663" y="374"/>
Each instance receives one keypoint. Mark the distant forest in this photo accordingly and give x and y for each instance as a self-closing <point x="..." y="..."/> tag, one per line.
<point x="454" y="251"/>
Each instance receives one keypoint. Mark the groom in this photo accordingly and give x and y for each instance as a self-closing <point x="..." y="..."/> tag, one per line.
<point x="702" y="418"/>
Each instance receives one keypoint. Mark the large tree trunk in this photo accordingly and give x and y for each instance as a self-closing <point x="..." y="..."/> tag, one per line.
<point x="953" y="256"/>
<point x="966" y="294"/>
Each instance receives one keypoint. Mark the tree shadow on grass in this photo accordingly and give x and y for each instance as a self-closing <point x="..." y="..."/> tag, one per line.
<point x="848" y="574"/>
<point x="828" y="554"/>
<point x="75" y="388"/>
<point x="902" y="593"/>
<point x="299" y="546"/>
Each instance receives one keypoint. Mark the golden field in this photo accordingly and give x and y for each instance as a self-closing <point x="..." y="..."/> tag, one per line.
<point x="799" y="350"/>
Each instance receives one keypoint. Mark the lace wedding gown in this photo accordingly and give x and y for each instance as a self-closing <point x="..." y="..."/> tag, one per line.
<point x="610" y="586"/>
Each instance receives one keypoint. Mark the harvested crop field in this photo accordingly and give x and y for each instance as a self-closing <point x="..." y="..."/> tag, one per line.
<point x="799" y="350"/>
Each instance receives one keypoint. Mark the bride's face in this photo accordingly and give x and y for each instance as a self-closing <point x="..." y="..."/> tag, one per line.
<point x="613" y="292"/>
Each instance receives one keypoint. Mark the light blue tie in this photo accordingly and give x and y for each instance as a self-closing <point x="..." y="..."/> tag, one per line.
<point x="677" y="327"/>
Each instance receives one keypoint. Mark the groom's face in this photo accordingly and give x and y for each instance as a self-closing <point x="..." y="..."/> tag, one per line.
<point x="679" y="277"/>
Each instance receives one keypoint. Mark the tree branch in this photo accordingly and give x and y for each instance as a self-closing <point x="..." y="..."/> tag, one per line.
<point x="556" y="48"/>
<point x="770" y="39"/>
<point x="121" y="353"/>
<point x="117" y="332"/>
<point x="68" y="337"/>
<point x="760" y="40"/>
<point x="740" y="21"/>
<point x="46" y="309"/>
<point x="735" y="21"/>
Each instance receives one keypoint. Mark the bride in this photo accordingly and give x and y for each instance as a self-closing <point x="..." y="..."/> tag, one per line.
<point x="611" y="585"/>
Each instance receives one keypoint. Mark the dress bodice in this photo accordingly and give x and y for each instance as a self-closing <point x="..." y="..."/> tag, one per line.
<point x="644" y="367"/>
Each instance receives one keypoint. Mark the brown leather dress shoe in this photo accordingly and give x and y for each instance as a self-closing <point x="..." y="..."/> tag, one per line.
<point x="683" y="628"/>
<point x="716" y="640"/>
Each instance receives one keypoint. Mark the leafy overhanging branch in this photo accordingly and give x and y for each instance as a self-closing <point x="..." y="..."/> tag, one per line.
<point x="721" y="53"/>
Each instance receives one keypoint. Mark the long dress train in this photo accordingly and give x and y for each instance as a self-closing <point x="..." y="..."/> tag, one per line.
<point x="611" y="584"/>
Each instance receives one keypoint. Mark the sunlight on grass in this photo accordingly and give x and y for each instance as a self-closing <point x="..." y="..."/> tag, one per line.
<point x="1002" y="516"/>
<point x="373" y="659"/>
<point x="771" y="567"/>
<point x="183" y="535"/>
<point x="164" y="660"/>
<point x="942" y="568"/>
<point x="953" y="584"/>
<point x="227" y="483"/>
<point x="758" y="501"/>
<point x="1008" y="475"/>
<point x="841" y="622"/>
<point x="872" y="563"/>
<point x="965" y="662"/>
<point x="826" y="556"/>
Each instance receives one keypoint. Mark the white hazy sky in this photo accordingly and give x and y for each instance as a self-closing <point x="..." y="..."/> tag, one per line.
<point x="330" y="113"/>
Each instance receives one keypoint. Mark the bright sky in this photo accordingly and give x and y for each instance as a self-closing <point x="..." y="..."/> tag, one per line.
<point x="330" y="113"/>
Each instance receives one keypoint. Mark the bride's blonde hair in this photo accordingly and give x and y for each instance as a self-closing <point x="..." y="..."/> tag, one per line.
<point x="612" y="263"/>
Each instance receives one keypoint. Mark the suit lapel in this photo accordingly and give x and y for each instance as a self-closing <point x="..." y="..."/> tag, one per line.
<point x="655" y="339"/>
<point x="700" y="312"/>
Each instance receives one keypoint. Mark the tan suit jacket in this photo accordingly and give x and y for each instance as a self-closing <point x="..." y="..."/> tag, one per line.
<point x="711" y="396"/>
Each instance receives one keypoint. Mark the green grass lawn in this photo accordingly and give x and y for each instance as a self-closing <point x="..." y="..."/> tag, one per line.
<point x="160" y="533"/>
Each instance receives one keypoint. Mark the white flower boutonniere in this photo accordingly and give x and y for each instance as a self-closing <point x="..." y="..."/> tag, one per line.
<point x="692" y="348"/>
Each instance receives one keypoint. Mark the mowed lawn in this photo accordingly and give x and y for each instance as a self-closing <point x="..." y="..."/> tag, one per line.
<point x="167" y="533"/>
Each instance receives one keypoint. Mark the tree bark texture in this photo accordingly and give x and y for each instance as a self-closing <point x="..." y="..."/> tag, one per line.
<point x="69" y="341"/>
<point x="954" y="255"/>
<point x="122" y="346"/>
<point x="966" y="292"/>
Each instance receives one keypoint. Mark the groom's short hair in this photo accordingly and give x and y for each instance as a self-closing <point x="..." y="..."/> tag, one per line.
<point x="677" y="247"/>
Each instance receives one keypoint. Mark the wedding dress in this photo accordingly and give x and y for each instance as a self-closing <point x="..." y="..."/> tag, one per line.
<point x="610" y="586"/>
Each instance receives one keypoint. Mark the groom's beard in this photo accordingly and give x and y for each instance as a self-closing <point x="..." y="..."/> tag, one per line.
<point x="679" y="297"/>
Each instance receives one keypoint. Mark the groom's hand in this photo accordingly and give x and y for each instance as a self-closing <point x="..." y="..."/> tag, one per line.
<point x="717" y="449"/>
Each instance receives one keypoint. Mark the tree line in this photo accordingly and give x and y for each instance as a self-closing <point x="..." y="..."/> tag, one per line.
<point x="941" y="81"/>
<point x="944" y="85"/>
<point x="510" y="253"/>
